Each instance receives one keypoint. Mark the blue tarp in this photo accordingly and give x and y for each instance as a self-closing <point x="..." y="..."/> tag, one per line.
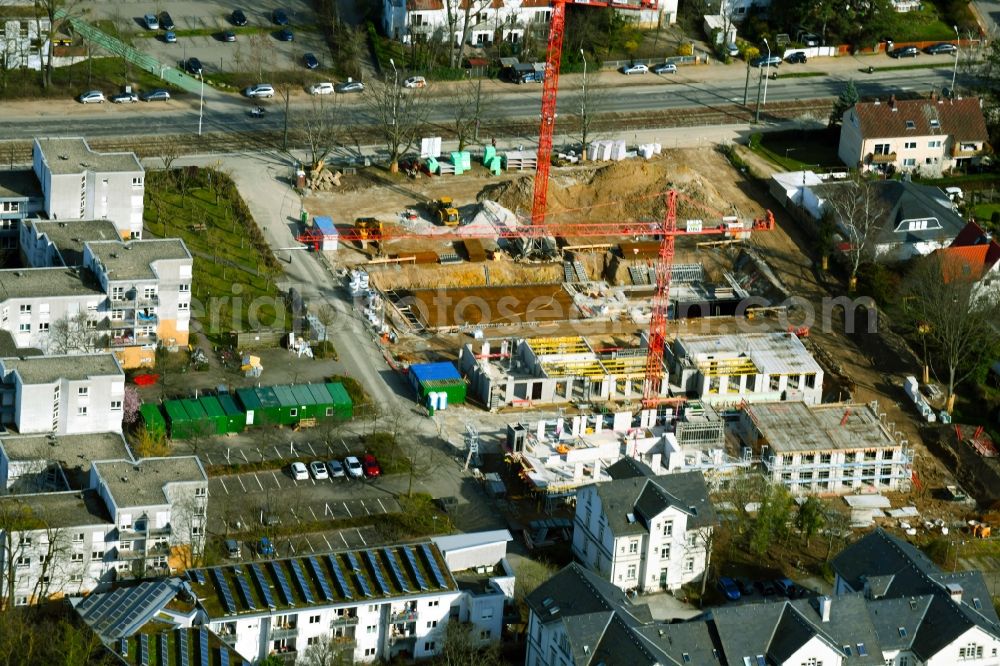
<point x="429" y="372"/>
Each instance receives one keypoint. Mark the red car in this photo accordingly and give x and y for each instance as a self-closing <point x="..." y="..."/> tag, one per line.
<point x="371" y="466"/>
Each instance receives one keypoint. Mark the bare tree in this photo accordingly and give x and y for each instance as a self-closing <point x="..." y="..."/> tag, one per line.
<point x="469" y="106"/>
<point x="48" y="14"/>
<point x="169" y="153"/>
<point x="326" y="651"/>
<point x="16" y="518"/>
<point x="320" y="130"/>
<point x="398" y="115"/>
<point x="260" y="53"/>
<point x="957" y="315"/>
<point x="859" y="212"/>
<point x="471" y="11"/>
<point x="70" y="334"/>
<point x="461" y="647"/>
<point x="590" y="102"/>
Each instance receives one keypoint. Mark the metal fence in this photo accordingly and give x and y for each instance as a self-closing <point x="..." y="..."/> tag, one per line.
<point x="696" y="59"/>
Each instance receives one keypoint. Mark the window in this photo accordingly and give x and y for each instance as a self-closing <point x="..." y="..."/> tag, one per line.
<point x="77" y="537"/>
<point x="431" y="624"/>
<point x="810" y="381"/>
<point x="911" y="125"/>
<point x="117" y="315"/>
<point x="293" y="412"/>
<point x="862" y="650"/>
<point x="369" y="652"/>
<point x="902" y="632"/>
<point x="775" y="382"/>
<point x="812" y="661"/>
<point x="116" y="405"/>
<point x="665" y="552"/>
<point x="428" y="646"/>
<point x="97" y="555"/>
<point x="630" y="574"/>
<point x="933" y="144"/>
<point x="689" y="565"/>
<point x="25" y="308"/>
<point x="373" y="608"/>
<point x="484" y="634"/>
<point x="83" y="391"/>
<point x="136" y="181"/>
<point x="909" y="161"/>
<point x="825" y="458"/>
<point x="312" y="640"/>
<point x="184" y="288"/>
<point x="971" y="651"/>
<point x="847" y="651"/>
<point x="371" y="629"/>
<point x="183" y="306"/>
<point x="686" y="657"/>
<point x="196" y="530"/>
<point x="633" y="546"/>
<point x="977" y="603"/>
<point x="43" y="327"/>
<point x="24" y="328"/>
<point x="76" y="557"/>
<point x="881" y="149"/>
<point x="668" y="528"/>
<point x="201" y="492"/>
<point x="81" y="411"/>
<point x="910" y="145"/>
<point x="23" y="562"/>
<point x="21" y="601"/>
<point x="314" y="619"/>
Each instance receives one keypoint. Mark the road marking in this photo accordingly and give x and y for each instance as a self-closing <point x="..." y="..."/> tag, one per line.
<point x="365" y="507"/>
<point x="379" y="500"/>
<point x="257" y="479"/>
<point x="328" y="546"/>
<point x="327" y="511"/>
<point x="243" y="453"/>
<point x="361" y="536"/>
<point x="311" y="449"/>
<point x="276" y="482"/>
<point x="313" y="513"/>
<point x="341" y="535"/>
<point x="260" y="453"/>
<point x="209" y="459"/>
<point x="297" y="519"/>
<point x="241" y="484"/>
<point x="277" y="453"/>
<point x="349" y="514"/>
<point x="223" y="483"/>
<point x="309" y="544"/>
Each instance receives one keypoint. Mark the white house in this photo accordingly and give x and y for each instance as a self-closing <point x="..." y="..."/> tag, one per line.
<point x="24" y="39"/>
<point x="645" y="532"/>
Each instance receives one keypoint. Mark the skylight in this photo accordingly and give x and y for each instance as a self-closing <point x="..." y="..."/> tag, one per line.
<point x="977" y="603"/>
<point x="911" y="125"/>
<point x="935" y="123"/>
<point x="862" y="650"/>
<point x="847" y="650"/>
<point x="902" y="632"/>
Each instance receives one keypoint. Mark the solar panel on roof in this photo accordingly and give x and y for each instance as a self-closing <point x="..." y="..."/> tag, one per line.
<point x="439" y="578"/>
<point x="301" y="581"/>
<point x="286" y="592"/>
<point x="397" y="573"/>
<point x="244" y="588"/>
<point x="123" y="647"/>
<point x="182" y="646"/>
<point x="205" y="658"/>
<point x="144" y="649"/>
<point x="353" y="561"/>
<point x="162" y="643"/>
<point x="198" y="575"/>
<point x="324" y="586"/>
<point x="227" y="595"/>
<point x="379" y="579"/>
<point x="223" y="656"/>
<point x="345" y="591"/>
<point x="411" y="559"/>
<point x="265" y="589"/>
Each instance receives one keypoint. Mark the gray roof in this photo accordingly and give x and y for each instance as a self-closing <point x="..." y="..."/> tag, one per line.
<point x="19" y="184"/>
<point x="49" y="369"/>
<point x="9" y="348"/>
<point x="73" y="155"/>
<point x="631" y="503"/>
<point x="122" y="612"/>
<point x="47" y="283"/>
<point x="791" y="427"/>
<point x="61" y="510"/>
<point x="133" y="260"/>
<point x="629" y="468"/>
<point x="73" y="453"/>
<point x="141" y="483"/>
<point x="70" y="236"/>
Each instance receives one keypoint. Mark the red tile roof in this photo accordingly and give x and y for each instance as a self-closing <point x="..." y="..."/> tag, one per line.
<point x="960" y="118"/>
<point x="973" y="235"/>
<point x="967" y="261"/>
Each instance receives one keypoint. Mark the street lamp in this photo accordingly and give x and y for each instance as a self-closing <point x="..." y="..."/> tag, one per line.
<point x="201" y="102"/>
<point x="954" y="71"/>
<point x="767" y="71"/>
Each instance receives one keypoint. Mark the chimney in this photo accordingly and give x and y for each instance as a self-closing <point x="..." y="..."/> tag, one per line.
<point x="824" y="608"/>
<point x="955" y="592"/>
<point x="892" y="102"/>
<point x="877" y="102"/>
<point x="933" y="95"/>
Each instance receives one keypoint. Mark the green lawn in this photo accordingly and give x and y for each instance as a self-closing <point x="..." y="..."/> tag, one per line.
<point x="107" y="74"/>
<point x="233" y="268"/>
<point x="925" y="24"/>
<point x="796" y="150"/>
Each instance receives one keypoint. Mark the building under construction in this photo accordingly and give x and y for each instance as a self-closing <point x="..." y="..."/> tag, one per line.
<point x="828" y="449"/>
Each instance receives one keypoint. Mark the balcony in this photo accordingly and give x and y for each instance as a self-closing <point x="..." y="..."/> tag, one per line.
<point x="228" y="639"/>
<point x="146" y="317"/>
<point x="964" y="150"/>
<point x="148" y="299"/>
<point x="346" y="641"/>
<point x="282" y="633"/>
<point x="403" y="617"/>
<point x="345" y="621"/>
<point x="881" y="158"/>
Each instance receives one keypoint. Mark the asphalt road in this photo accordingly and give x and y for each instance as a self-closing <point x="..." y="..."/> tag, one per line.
<point x="229" y="113"/>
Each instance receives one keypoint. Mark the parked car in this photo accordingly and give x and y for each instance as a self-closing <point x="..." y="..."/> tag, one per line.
<point x="265" y="548"/>
<point x="354" y="468"/>
<point x="809" y="39"/>
<point x="349" y="87"/>
<point x="905" y="52"/>
<point x="371" y="466"/>
<point x="260" y="90"/>
<point x="729" y="588"/>
<point x="765" y="587"/>
<point x="745" y="585"/>
<point x="785" y="586"/>
<point x="279" y="17"/>
<point x="91" y="97"/>
<point x="732" y="50"/>
<point x="193" y="65"/>
<point x="166" y="22"/>
<point x="228" y="36"/>
<point x="941" y="48"/>
<point x="336" y="469"/>
<point x="299" y="471"/>
<point x="415" y="82"/>
<point x="285" y="35"/>
<point x="665" y="68"/>
<point x="124" y="98"/>
<point x="310" y="61"/>
<point x="798" y="57"/>
<point x="766" y="61"/>
<point x="637" y="68"/>
<point x="155" y="95"/>
<point x="238" y="18"/>
<point x="152" y="23"/>
<point x="321" y="89"/>
<point x="318" y="470"/>
<point x="170" y="37"/>
<point x="233" y="548"/>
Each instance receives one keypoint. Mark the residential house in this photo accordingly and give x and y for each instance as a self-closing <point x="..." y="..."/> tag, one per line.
<point x="133" y="518"/>
<point x="62" y="395"/>
<point x="926" y="135"/>
<point x="78" y="183"/>
<point x="24" y="38"/>
<point x="828" y="449"/>
<point x="976" y="256"/>
<point x="643" y="531"/>
<point x="751" y="367"/>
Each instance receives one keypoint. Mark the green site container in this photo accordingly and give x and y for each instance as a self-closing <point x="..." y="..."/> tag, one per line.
<point x="236" y="418"/>
<point x="200" y="423"/>
<point x="454" y="388"/>
<point x="307" y="403"/>
<point x="343" y="407"/>
<point x="153" y="418"/>
<point x="323" y="401"/>
<point x="215" y="414"/>
<point x="178" y="419"/>
<point x="252" y="407"/>
<point x="270" y="406"/>
<point x="288" y="411"/>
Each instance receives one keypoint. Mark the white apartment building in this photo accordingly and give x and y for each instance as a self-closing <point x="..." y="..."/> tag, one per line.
<point x="377" y="603"/>
<point x="20" y="197"/>
<point x="932" y="135"/>
<point x="642" y="531"/>
<point x="24" y="39"/>
<point x="135" y="518"/>
<point x="828" y="449"/>
<point x="63" y="395"/>
<point x="57" y="243"/>
<point x="749" y="367"/>
<point x="32" y="464"/>
<point x="80" y="184"/>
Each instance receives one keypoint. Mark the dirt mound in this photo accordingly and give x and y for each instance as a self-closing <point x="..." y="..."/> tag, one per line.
<point x="512" y="194"/>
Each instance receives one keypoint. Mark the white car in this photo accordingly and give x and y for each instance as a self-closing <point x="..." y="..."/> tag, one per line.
<point x="321" y="89"/>
<point x="336" y="469"/>
<point x="354" y="468"/>
<point x="638" y="68"/>
<point x="299" y="471"/>
<point x="415" y="82"/>
<point x="318" y="470"/>
<point x="91" y="97"/>
<point x="260" y="90"/>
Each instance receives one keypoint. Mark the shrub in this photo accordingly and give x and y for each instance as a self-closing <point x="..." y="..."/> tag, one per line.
<point x="685" y="49"/>
<point x="325" y="349"/>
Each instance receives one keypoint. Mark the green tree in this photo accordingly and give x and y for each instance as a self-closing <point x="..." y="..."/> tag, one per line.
<point x="772" y="519"/>
<point x="848" y="97"/>
<point x="810" y="518"/>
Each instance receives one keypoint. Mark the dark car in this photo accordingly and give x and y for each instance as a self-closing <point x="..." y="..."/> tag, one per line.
<point x="745" y="585"/>
<point x="941" y="48"/>
<point x="665" y="68"/>
<point x="228" y="36"/>
<point x="310" y="61"/>
<point x="796" y="58"/>
<point x="765" y="587"/>
<point x="193" y="65"/>
<point x="766" y="61"/>
<point x="785" y="586"/>
<point x="371" y="466"/>
<point x="279" y="17"/>
<point x="166" y="22"/>
<point x="157" y="95"/>
<point x="729" y="588"/>
<point x="285" y="35"/>
<point x="905" y="52"/>
<point x="238" y="17"/>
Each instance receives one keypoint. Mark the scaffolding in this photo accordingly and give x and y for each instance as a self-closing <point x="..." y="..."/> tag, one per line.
<point x="574" y="344"/>
<point x="727" y="367"/>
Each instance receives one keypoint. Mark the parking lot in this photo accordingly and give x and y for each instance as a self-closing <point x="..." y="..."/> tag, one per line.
<point x="312" y="543"/>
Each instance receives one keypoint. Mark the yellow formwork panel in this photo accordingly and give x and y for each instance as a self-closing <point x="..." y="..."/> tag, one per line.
<point x="573" y="344"/>
<point x="719" y="367"/>
<point x="585" y="368"/>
